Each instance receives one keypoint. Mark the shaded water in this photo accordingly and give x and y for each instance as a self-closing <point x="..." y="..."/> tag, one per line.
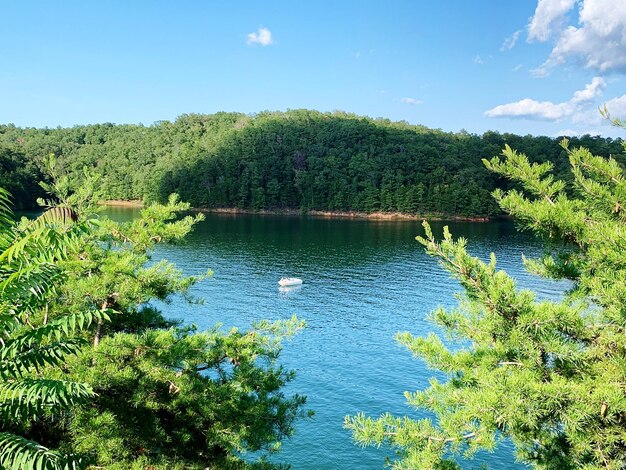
<point x="363" y="282"/>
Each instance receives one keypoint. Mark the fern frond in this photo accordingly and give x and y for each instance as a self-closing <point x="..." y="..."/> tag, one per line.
<point x="15" y="361"/>
<point x="57" y="329"/>
<point x="5" y="208"/>
<point x="18" y="453"/>
<point x="27" y="398"/>
<point x="28" y="281"/>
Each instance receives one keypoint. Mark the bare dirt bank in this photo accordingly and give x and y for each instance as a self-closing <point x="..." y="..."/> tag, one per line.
<point x="321" y="214"/>
<point x="121" y="203"/>
<point x="344" y="214"/>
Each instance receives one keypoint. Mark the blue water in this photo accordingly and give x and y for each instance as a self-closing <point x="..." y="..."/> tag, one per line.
<point x="363" y="282"/>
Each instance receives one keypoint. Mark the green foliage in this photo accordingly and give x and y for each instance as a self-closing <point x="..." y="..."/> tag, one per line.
<point x="158" y="397"/>
<point x="19" y="453"/>
<point x="109" y="271"/>
<point x="19" y="174"/>
<point x="172" y="397"/>
<point x="30" y="254"/>
<point x="82" y="199"/>
<point x="549" y="375"/>
<point x="298" y="159"/>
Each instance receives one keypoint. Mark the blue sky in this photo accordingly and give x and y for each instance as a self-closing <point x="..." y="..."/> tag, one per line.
<point x="523" y="66"/>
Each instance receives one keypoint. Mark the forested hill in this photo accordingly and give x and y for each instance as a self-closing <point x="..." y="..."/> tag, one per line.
<point x="297" y="159"/>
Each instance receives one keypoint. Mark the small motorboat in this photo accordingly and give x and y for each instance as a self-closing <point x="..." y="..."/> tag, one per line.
<point x="289" y="281"/>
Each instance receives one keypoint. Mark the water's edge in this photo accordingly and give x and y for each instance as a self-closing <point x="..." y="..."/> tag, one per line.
<point x="364" y="280"/>
<point x="379" y="215"/>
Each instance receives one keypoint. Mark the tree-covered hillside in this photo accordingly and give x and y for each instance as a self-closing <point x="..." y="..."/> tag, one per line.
<point x="298" y="159"/>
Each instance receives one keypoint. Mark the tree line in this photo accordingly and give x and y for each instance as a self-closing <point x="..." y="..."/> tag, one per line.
<point x="299" y="159"/>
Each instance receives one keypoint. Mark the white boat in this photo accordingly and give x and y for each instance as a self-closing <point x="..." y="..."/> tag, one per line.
<point x="289" y="281"/>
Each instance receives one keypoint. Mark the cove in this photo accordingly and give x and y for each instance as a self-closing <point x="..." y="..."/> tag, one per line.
<point x="364" y="281"/>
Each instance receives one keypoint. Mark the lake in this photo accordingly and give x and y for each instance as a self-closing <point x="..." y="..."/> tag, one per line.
<point x="363" y="282"/>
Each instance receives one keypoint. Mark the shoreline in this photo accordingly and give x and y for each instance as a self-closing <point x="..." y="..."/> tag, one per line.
<point x="315" y="213"/>
<point x="122" y="203"/>
<point x="343" y="214"/>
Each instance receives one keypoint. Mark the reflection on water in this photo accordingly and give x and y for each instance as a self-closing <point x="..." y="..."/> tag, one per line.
<point x="363" y="282"/>
<point x="289" y="290"/>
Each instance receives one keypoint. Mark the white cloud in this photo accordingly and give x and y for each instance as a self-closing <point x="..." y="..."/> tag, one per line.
<point x="357" y="55"/>
<point x="517" y="68"/>
<point x="549" y="15"/>
<point x="617" y="106"/>
<point x="547" y="110"/>
<point x="593" y="89"/>
<point x="531" y="109"/>
<point x="540" y="72"/>
<point x="591" y="117"/>
<point x="597" y="41"/>
<point x="509" y="43"/>
<point x="478" y="60"/>
<point x="410" y="101"/>
<point x="588" y="120"/>
<point x="262" y="37"/>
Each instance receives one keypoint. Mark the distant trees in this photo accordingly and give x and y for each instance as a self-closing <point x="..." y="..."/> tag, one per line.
<point x="549" y="375"/>
<point x="299" y="159"/>
<point x="19" y="175"/>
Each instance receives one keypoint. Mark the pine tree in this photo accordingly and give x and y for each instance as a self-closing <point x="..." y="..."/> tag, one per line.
<point x="549" y="375"/>
<point x="166" y="397"/>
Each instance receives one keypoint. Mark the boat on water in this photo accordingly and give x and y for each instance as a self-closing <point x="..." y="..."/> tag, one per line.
<point x="289" y="281"/>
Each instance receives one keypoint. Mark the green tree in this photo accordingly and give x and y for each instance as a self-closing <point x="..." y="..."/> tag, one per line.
<point x="176" y="398"/>
<point x="549" y="375"/>
<point x="165" y="397"/>
<point x="299" y="159"/>
<point x="19" y="176"/>
<point x="30" y="253"/>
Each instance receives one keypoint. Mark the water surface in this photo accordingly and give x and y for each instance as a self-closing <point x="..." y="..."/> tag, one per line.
<point x="363" y="282"/>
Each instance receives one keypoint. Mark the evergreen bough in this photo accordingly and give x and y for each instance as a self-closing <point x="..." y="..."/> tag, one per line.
<point x="164" y="396"/>
<point x="549" y="375"/>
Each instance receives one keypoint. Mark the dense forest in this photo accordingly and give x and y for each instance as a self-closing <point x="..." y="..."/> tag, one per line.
<point x="298" y="159"/>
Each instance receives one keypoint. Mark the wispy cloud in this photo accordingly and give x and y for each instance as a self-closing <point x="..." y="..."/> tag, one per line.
<point x="548" y="17"/>
<point x="531" y="109"/>
<point x="518" y="67"/>
<point x="617" y="106"/>
<point x="591" y="117"/>
<point x="509" y="43"/>
<point x="591" y="90"/>
<point x="547" y="110"/>
<point x="478" y="60"/>
<point x="262" y="37"/>
<point x="410" y="100"/>
<point x="369" y="52"/>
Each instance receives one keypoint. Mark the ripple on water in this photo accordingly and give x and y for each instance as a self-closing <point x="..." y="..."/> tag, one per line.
<point x="363" y="282"/>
